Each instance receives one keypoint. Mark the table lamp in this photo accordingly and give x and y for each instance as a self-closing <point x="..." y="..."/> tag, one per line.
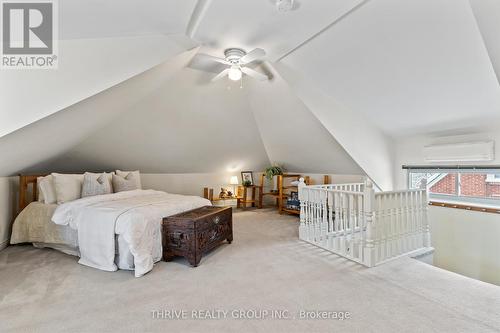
<point x="234" y="181"/>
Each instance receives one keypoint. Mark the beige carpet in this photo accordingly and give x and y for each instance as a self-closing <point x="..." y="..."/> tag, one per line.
<point x="266" y="268"/>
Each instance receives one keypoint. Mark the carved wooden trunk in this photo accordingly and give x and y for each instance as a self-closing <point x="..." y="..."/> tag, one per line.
<point x="194" y="232"/>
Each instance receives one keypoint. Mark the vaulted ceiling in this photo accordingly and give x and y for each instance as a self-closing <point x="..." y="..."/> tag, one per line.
<point x="123" y="18"/>
<point x="350" y="77"/>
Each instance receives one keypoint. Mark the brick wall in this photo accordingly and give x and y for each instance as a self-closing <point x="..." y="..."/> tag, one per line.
<point x="474" y="185"/>
<point x="493" y="189"/>
<point x="445" y="185"/>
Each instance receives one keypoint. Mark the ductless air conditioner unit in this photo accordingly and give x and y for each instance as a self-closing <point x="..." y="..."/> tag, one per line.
<point x="461" y="152"/>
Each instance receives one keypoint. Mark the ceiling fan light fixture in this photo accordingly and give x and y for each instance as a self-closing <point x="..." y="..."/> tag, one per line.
<point x="234" y="73"/>
<point x="236" y="61"/>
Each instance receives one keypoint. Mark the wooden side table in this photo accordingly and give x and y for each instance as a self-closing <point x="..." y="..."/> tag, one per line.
<point x="243" y="196"/>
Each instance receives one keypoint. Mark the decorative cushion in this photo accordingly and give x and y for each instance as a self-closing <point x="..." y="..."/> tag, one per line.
<point x="46" y="190"/>
<point x="68" y="187"/>
<point x="96" y="184"/>
<point x="127" y="183"/>
<point x="137" y="176"/>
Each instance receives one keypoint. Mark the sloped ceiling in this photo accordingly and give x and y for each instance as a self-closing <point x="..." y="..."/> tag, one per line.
<point x="291" y="134"/>
<point x="350" y="78"/>
<point x="408" y="66"/>
<point x="487" y="14"/>
<point x="250" y="24"/>
<point x="86" y="67"/>
<point x="351" y="130"/>
<point x="183" y="125"/>
<point x="123" y="18"/>
<point x="31" y="147"/>
<point x="102" y="43"/>
<point x="180" y="126"/>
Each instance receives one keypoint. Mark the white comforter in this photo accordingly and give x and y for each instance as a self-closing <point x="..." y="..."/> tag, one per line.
<point x="136" y="215"/>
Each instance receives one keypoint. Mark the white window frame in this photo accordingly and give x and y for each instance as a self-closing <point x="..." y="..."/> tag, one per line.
<point x="457" y="199"/>
<point x="493" y="178"/>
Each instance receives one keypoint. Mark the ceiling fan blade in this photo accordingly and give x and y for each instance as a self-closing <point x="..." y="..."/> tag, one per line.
<point x="212" y="58"/>
<point x="252" y="56"/>
<point x="221" y="75"/>
<point x="254" y="74"/>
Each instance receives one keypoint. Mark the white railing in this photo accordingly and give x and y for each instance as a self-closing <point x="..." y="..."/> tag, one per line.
<point x="354" y="221"/>
<point x="354" y="187"/>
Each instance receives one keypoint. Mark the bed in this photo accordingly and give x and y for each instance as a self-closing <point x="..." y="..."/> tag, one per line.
<point x="109" y="232"/>
<point x="34" y="225"/>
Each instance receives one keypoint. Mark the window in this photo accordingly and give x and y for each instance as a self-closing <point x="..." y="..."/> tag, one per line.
<point x="461" y="185"/>
<point x="493" y="178"/>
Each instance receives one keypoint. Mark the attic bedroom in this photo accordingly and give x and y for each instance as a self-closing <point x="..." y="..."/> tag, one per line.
<point x="250" y="166"/>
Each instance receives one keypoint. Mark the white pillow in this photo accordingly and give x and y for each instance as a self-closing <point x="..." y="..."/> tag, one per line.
<point x="96" y="184"/>
<point x="68" y="187"/>
<point x="47" y="191"/>
<point x="136" y="175"/>
<point x="39" y="190"/>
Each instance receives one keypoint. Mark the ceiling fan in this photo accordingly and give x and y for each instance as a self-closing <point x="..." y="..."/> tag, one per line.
<point x="236" y="60"/>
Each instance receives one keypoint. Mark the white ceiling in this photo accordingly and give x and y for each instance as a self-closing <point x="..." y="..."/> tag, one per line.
<point x="83" y="72"/>
<point x="179" y="126"/>
<point x="49" y="138"/>
<point x="487" y="14"/>
<point x="123" y="18"/>
<point x="291" y="134"/>
<point x="408" y="66"/>
<point x="401" y="67"/>
<point x="388" y="60"/>
<point x="250" y="24"/>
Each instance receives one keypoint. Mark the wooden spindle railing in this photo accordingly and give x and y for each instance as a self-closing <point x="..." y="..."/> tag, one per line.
<point x="356" y="222"/>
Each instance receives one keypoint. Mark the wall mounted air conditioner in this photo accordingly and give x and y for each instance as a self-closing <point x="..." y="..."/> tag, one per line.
<point x="461" y="152"/>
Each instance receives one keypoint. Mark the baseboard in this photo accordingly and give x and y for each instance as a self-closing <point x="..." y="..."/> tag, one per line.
<point x="4" y="244"/>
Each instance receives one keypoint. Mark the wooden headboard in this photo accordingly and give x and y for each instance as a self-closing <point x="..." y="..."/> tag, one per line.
<point x="24" y="183"/>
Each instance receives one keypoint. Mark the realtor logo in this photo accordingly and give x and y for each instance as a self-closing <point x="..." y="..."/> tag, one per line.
<point x="29" y="34"/>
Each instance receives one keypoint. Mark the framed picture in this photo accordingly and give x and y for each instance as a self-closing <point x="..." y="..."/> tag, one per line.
<point x="247" y="176"/>
<point x="294" y="196"/>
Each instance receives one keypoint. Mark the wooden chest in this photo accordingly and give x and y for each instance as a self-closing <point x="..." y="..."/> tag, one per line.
<point x="194" y="232"/>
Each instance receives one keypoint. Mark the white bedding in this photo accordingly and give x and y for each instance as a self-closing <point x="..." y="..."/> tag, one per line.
<point x="133" y="215"/>
<point x="34" y="225"/>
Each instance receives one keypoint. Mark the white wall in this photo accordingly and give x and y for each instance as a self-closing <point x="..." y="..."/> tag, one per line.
<point x="188" y="183"/>
<point x="316" y="178"/>
<point x="466" y="242"/>
<point x="8" y="204"/>
<point x="193" y="183"/>
<point x="409" y="151"/>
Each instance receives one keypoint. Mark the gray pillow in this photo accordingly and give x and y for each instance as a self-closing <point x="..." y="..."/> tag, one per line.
<point x="96" y="184"/>
<point x="127" y="183"/>
<point x="137" y="176"/>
